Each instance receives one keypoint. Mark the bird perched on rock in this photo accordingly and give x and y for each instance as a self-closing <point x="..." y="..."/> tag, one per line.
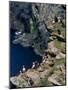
<point x="33" y="65"/>
<point x="17" y="33"/>
<point x="23" y="69"/>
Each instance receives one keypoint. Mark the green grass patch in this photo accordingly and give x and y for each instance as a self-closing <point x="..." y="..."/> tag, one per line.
<point x="44" y="82"/>
<point x="57" y="44"/>
<point x="60" y="61"/>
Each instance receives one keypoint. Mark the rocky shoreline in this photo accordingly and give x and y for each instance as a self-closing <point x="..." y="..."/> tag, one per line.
<point x="42" y="27"/>
<point x="49" y="73"/>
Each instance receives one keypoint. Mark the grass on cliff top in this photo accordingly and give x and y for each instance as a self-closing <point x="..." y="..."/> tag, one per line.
<point x="45" y="82"/>
<point x="58" y="63"/>
<point x="57" y="44"/>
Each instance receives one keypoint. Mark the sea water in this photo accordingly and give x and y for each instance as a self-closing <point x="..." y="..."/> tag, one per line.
<point x="20" y="56"/>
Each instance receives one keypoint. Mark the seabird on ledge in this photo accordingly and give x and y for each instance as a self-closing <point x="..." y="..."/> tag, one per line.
<point x="33" y="65"/>
<point x="23" y="69"/>
<point x="18" y="33"/>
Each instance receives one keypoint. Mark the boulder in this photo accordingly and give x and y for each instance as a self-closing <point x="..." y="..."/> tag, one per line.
<point x="53" y="80"/>
<point x="40" y="69"/>
<point x="45" y="73"/>
<point x="34" y="75"/>
<point x="14" y="80"/>
<point x="60" y="38"/>
<point x="19" y="81"/>
<point x="60" y="55"/>
<point x="52" y="50"/>
<point x="63" y="48"/>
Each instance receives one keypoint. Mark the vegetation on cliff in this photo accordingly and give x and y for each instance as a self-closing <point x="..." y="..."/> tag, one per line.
<point x="42" y="27"/>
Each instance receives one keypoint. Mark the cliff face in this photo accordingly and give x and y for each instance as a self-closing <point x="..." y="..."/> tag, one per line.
<point x="49" y="73"/>
<point x="42" y="27"/>
<point x="32" y="21"/>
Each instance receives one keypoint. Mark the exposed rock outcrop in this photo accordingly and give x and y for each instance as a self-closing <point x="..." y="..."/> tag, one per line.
<point x="53" y="71"/>
<point x="38" y="25"/>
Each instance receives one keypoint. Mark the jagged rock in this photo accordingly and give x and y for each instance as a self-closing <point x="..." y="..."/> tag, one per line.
<point x="52" y="54"/>
<point x="50" y="63"/>
<point x="58" y="76"/>
<point x="40" y="69"/>
<point x="53" y="80"/>
<point x="60" y="38"/>
<point x="41" y="16"/>
<point x="44" y="66"/>
<point x="62" y="69"/>
<point x="14" y="80"/>
<point x="50" y="39"/>
<point x="60" y="55"/>
<point x="23" y="14"/>
<point x="39" y="11"/>
<point x="52" y="49"/>
<point x="19" y="81"/>
<point x="54" y="75"/>
<point x="34" y="75"/>
<point x="45" y="73"/>
<point x="63" y="48"/>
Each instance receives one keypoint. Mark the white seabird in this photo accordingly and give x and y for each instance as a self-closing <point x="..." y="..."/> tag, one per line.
<point x="59" y="19"/>
<point x="20" y="71"/>
<point x="23" y="69"/>
<point x="18" y="33"/>
<point x="43" y="60"/>
<point x="33" y="66"/>
<point x="53" y="21"/>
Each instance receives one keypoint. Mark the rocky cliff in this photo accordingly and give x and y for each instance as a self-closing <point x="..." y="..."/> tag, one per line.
<point x="42" y="27"/>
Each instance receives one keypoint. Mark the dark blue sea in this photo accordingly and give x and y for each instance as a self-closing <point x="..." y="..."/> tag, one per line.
<point x="20" y="56"/>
